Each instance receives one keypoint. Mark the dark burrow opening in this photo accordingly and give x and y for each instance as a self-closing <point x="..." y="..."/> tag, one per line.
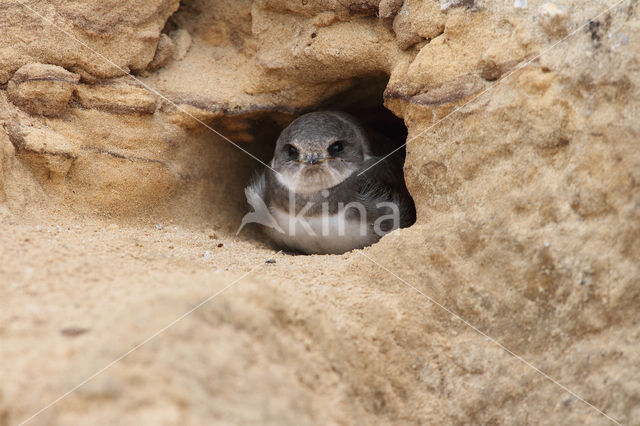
<point x="364" y="100"/>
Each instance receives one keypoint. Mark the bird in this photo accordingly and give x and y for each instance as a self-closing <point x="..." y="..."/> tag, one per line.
<point x="325" y="192"/>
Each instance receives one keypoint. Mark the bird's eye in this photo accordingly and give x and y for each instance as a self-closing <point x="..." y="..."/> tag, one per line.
<point x="336" y="147"/>
<point x="292" y="151"/>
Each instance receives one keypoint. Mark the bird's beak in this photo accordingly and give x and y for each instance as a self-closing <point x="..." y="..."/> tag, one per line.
<point x="312" y="159"/>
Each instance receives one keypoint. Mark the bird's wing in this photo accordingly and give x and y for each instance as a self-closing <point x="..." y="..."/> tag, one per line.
<point x="384" y="182"/>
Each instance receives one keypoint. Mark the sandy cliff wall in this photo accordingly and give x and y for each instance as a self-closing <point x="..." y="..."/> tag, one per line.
<point x="528" y="195"/>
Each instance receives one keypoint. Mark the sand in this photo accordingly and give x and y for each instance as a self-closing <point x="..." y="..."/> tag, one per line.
<point x="512" y="300"/>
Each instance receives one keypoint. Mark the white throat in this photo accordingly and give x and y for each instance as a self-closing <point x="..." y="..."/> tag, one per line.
<point x="301" y="184"/>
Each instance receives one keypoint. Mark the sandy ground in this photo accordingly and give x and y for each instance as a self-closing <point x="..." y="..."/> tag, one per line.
<point x="67" y="283"/>
<point x="274" y="343"/>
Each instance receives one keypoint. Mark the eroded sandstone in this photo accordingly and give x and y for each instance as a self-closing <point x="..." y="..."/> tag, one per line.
<point x="42" y="89"/>
<point x="522" y="158"/>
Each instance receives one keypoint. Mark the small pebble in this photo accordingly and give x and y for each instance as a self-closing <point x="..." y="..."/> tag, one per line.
<point x="74" y="331"/>
<point x="553" y="18"/>
<point x="270" y="261"/>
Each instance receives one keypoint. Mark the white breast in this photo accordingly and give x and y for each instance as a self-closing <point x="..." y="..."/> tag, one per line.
<point x="330" y="234"/>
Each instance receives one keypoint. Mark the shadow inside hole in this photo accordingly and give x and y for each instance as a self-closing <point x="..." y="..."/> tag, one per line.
<point x="364" y="101"/>
<point x="387" y="133"/>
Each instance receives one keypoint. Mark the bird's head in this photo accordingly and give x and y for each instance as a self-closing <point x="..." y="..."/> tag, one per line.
<point x="319" y="150"/>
